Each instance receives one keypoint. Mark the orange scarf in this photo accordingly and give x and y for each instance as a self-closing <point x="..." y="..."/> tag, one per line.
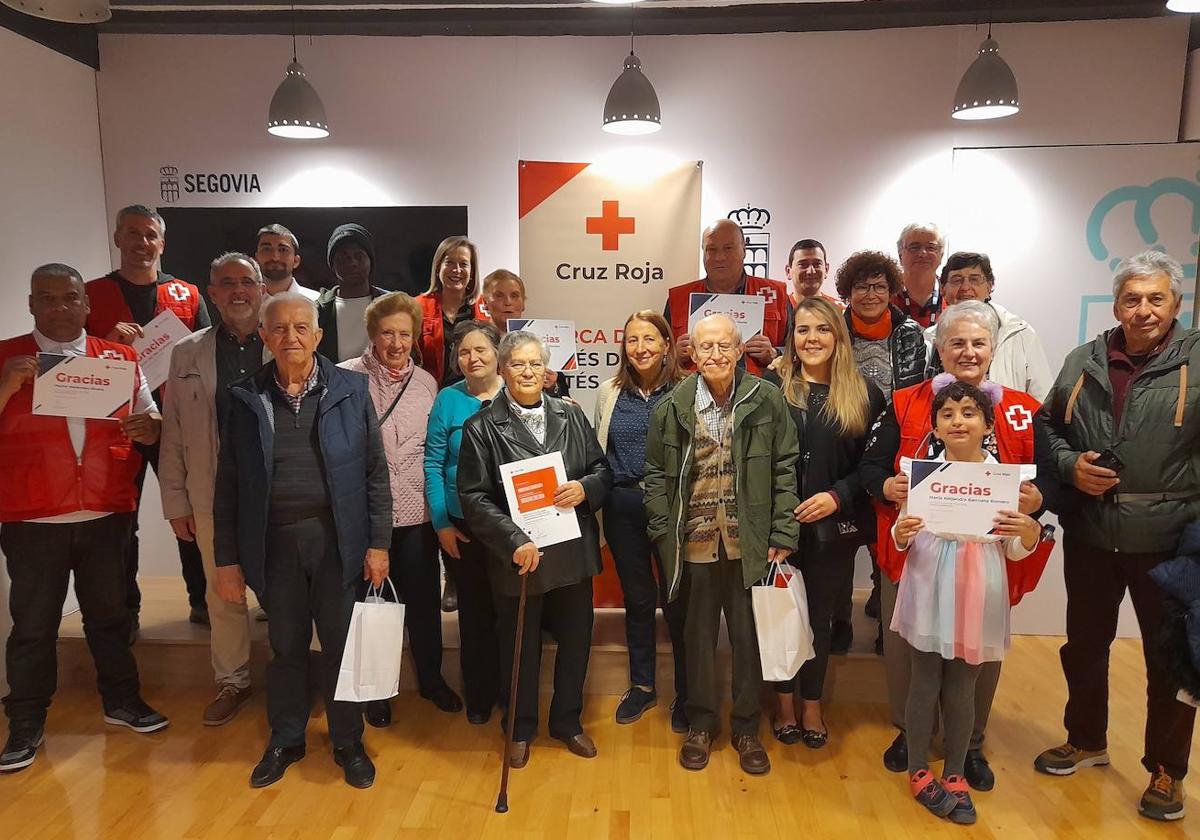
<point x="878" y="331"/>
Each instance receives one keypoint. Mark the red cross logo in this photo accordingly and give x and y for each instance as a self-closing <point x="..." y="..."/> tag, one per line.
<point x="610" y="224"/>
<point x="768" y="293"/>
<point x="1019" y="417"/>
<point x="178" y="291"/>
<point x="483" y="310"/>
<point x="110" y="354"/>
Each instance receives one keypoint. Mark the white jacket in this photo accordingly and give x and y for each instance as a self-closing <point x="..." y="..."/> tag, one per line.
<point x="1019" y="361"/>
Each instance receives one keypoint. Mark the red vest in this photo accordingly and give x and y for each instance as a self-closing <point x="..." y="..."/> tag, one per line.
<point x="40" y="475"/>
<point x="109" y="307"/>
<point x="775" y="316"/>
<point x="433" y="332"/>
<point x="1014" y="439"/>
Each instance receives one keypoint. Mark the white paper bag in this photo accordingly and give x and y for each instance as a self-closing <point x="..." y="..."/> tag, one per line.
<point x="785" y="640"/>
<point x="374" y="647"/>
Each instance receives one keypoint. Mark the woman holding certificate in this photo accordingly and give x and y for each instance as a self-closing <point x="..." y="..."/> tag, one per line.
<point x="832" y="405"/>
<point x="965" y="340"/>
<point x="531" y="477"/>
<point x="953" y="604"/>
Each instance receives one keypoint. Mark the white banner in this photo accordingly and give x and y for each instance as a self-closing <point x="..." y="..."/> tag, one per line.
<point x="598" y="245"/>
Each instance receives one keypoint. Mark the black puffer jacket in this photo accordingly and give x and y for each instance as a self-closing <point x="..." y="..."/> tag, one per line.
<point x="496" y="436"/>
<point x="907" y="343"/>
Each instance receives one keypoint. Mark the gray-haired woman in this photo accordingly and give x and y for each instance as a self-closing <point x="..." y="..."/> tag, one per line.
<point x="524" y="423"/>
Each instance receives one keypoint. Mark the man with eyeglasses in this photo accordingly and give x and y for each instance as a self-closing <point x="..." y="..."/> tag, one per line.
<point x="278" y="254"/>
<point x="720" y="491"/>
<point x="1019" y="362"/>
<point x="725" y="274"/>
<point x="920" y="247"/>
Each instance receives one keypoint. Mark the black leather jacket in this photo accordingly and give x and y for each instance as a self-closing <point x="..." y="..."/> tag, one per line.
<point x="496" y="436"/>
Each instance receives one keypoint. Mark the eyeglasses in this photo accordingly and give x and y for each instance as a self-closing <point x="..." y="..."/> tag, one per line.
<point x="975" y="281"/>
<point x="521" y="367"/>
<point x="873" y="288"/>
<point x="708" y="348"/>
<point x="927" y="247"/>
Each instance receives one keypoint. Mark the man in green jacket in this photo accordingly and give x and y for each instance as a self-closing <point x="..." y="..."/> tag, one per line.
<point x="1124" y="429"/>
<point x="720" y="495"/>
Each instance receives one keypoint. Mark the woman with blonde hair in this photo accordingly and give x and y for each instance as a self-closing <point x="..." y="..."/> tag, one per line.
<point x="648" y="371"/>
<point x="452" y="296"/>
<point x="833" y="407"/>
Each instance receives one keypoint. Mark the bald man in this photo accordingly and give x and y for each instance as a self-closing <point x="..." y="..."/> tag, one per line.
<point x="716" y="539"/>
<point x="724" y="247"/>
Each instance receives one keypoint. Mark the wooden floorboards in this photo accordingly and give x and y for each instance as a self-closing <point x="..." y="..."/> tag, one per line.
<point x="438" y="776"/>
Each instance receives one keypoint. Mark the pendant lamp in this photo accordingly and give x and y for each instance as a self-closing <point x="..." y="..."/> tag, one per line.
<point x="1184" y="6"/>
<point x="632" y="105"/>
<point x="296" y="111"/>
<point x="988" y="90"/>
<point x="64" y="11"/>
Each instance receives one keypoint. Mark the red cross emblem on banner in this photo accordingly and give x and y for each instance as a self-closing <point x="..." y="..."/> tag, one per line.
<point x="768" y="293"/>
<point x="610" y="224"/>
<point x="1019" y="417"/>
<point x="111" y="354"/>
<point x="178" y="291"/>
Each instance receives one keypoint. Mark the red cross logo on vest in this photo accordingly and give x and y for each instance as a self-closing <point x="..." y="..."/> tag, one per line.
<point x="1019" y="417"/>
<point x="483" y="310"/>
<point x="610" y="224"/>
<point x="111" y="354"/>
<point x="767" y="293"/>
<point x="178" y="291"/>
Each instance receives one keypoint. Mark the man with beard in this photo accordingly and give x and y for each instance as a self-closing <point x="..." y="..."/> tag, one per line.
<point x="278" y="254"/>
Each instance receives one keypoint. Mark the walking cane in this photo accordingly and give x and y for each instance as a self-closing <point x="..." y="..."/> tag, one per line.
<point x="502" y="799"/>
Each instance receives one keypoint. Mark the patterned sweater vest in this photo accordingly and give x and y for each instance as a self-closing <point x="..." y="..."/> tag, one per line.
<point x="712" y="508"/>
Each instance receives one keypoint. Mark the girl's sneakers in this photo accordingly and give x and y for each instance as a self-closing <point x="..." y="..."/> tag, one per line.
<point x="964" y="810"/>
<point x="930" y="793"/>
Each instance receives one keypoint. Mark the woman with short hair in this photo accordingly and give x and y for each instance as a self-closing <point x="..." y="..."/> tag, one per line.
<point x="403" y="395"/>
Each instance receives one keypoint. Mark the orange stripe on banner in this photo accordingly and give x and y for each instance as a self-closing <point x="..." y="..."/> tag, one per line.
<point x="537" y="180"/>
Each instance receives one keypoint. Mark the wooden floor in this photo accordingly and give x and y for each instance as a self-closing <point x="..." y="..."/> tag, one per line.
<point x="438" y="776"/>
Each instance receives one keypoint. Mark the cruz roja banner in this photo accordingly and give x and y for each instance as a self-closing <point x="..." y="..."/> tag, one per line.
<point x="598" y="244"/>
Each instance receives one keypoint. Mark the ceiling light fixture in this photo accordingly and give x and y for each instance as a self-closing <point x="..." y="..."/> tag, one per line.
<point x="1186" y="7"/>
<point x="296" y="111"/>
<point x="64" y="11"/>
<point x="988" y="90"/>
<point x="632" y="105"/>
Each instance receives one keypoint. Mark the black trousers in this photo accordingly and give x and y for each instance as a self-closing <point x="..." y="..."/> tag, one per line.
<point x="190" y="561"/>
<point x="637" y="566"/>
<point x="566" y="613"/>
<point x="824" y="571"/>
<point x="40" y="560"/>
<point x="708" y="590"/>
<point x="1096" y="583"/>
<point x="304" y="585"/>
<point x="478" y="645"/>
<point x="413" y="570"/>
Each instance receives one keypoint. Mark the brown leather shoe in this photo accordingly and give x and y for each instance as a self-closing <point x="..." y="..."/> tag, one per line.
<point x="518" y="754"/>
<point x="229" y="700"/>
<point x="693" y="755"/>
<point x="751" y="754"/>
<point x="581" y="745"/>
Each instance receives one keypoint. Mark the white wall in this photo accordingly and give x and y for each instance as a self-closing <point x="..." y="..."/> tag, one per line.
<point x="844" y="136"/>
<point x="51" y="180"/>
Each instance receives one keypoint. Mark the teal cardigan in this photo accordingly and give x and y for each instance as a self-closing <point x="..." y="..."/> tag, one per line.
<point x="451" y="409"/>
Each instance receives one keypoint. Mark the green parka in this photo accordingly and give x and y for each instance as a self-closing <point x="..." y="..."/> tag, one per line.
<point x="765" y="450"/>
<point x="1158" y="441"/>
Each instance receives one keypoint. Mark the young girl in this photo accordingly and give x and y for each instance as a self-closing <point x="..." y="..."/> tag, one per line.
<point x="952" y="606"/>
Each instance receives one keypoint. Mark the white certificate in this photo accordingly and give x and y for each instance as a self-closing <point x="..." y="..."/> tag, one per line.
<point x="154" y="348"/>
<point x="960" y="497"/>
<point x="80" y="386"/>
<point x="744" y="310"/>
<point x="529" y="486"/>
<point x="558" y="336"/>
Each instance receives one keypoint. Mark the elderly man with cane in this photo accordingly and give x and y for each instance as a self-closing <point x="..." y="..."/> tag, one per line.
<point x="553" y="584"/>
